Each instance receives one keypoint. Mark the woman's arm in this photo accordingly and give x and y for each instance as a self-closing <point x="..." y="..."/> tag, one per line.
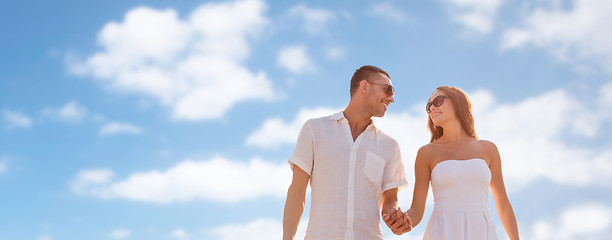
<point x="502" y="204"/>
<point x="421" y="186"/>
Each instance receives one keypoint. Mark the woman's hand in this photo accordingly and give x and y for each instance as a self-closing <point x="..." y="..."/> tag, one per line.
<point x="398" y="221"/>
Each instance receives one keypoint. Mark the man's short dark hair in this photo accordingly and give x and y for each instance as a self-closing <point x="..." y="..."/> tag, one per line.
<point x="365" y="73"/>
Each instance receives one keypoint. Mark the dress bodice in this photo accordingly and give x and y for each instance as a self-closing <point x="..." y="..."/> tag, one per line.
<point x="461" y="193"/>
<point x="461" y="183"/>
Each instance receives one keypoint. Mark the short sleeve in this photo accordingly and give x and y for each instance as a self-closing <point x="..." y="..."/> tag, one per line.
<point x="394" y="175"/>
<point x="303" y="156"/>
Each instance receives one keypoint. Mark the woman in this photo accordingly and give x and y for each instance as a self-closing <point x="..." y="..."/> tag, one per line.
<point x="461" y="169"/>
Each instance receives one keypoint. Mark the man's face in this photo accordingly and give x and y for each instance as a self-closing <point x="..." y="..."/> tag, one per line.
<point x="380" y="95"/>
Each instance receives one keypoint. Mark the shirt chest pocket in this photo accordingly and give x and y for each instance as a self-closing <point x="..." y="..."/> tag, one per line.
<point x="373" y="167"/>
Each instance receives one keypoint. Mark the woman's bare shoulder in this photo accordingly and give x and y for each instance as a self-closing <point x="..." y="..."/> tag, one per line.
<point x="486" y="144"/>
<point x="428" y="151"/>
<point x="490" y="149"/>
<point x="428" y="148"/>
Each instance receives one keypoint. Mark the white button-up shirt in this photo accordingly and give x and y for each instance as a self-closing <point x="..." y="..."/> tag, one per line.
<point x="347" y="177"/>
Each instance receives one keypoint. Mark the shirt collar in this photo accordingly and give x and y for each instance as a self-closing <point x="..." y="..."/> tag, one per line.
<point x="337" y="116"/>
<point x="340" y="116"/>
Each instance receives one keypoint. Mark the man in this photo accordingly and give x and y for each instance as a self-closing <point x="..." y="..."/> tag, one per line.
<point x="354" y="169"/>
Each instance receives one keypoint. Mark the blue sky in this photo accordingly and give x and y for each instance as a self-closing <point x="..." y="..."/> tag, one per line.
<point x="175" y="119"/>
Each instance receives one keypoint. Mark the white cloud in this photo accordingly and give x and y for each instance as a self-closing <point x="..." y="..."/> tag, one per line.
<point x="587" y="221"/>
<point x="120" y="233"/>
<point x="16" y="120"/>
<point x="265" y="228"/>
<point x="577" y="34"/>
<point x="605" y="99"/>
<point x="335" y="53"/>
<point x="260" y="229"/>
<point x="295" y="59"/>
<point x="275" y="132"/>
<point x="477" y="15"/>
<point x="191" y="180"/>
<point x="530" y="139"/>
<point x="315" y="19"/>
<point x="410" y="131"/>
<point x="194" y="66"/>
<point x="179" y="233"/>
<point x="70" y="112"/>
<point x="91" y="181"/>
<point x="44" y="237"/>
<point x="529" y="134"/>
<point x="594" y="218"/>
<point x="117" y="128"/>
<point x="387" y="10"/>
<point x="3" y="167"/>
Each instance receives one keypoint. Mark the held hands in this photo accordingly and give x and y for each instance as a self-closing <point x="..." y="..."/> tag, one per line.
<point x="398" y="221"/>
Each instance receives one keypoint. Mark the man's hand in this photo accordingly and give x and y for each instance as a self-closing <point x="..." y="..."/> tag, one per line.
<point x="398" y="221"/>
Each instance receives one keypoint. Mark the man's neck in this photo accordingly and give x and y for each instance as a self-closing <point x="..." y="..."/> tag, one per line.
<point x="357" y="119"/>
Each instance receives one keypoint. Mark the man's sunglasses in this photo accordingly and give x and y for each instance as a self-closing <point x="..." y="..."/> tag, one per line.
<point x="437" y="102"/>
<point x="388" y="88"/>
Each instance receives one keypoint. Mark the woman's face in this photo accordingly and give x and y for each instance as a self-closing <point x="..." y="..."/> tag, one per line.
<point x="439" y="108"/>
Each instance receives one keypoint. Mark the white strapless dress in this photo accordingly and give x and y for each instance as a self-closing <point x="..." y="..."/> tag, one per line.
<point x="461" y="193"/>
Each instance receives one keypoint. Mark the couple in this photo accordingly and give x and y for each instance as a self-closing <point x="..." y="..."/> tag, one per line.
<point x="355" y="171"/>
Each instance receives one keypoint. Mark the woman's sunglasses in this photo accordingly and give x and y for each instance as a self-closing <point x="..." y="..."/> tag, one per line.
<point x="388" y="88"/>
<point x="437" y="102"/>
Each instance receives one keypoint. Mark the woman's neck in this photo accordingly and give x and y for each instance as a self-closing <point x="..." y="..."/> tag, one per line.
<point x="454" y="133"/>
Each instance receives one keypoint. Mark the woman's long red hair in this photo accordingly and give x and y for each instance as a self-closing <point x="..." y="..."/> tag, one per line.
<point x="463" y="112"/>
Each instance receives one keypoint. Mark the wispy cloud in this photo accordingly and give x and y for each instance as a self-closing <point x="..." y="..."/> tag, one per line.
<point x="44" y="237"/>
<point x="315" y="20"/>
<point x="118" y="128"/>
<point x="16" y="119"/>
<point x="335" y="53"/>
<point x="3" y="166"/>
<point x="89" y="181"/>
<point x="586" y="221"/>
<point x="606" y="97"/>
<point x="295" y="59"/>
<point x="275" y="132"/>
<point x="579" y="34"/>
<point x="265" y="229"/>
<point x="476" y="15"/>
<point x="194" y="66"/>
<point x="120" y="233"/>
<point x="530" y="142"/>
<point x="180" y="233"/>
<point x="71" y="112"/>
<point x="190" y="180"/>
<point x="528" y="136"/>
<point x="387" y="10"/>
